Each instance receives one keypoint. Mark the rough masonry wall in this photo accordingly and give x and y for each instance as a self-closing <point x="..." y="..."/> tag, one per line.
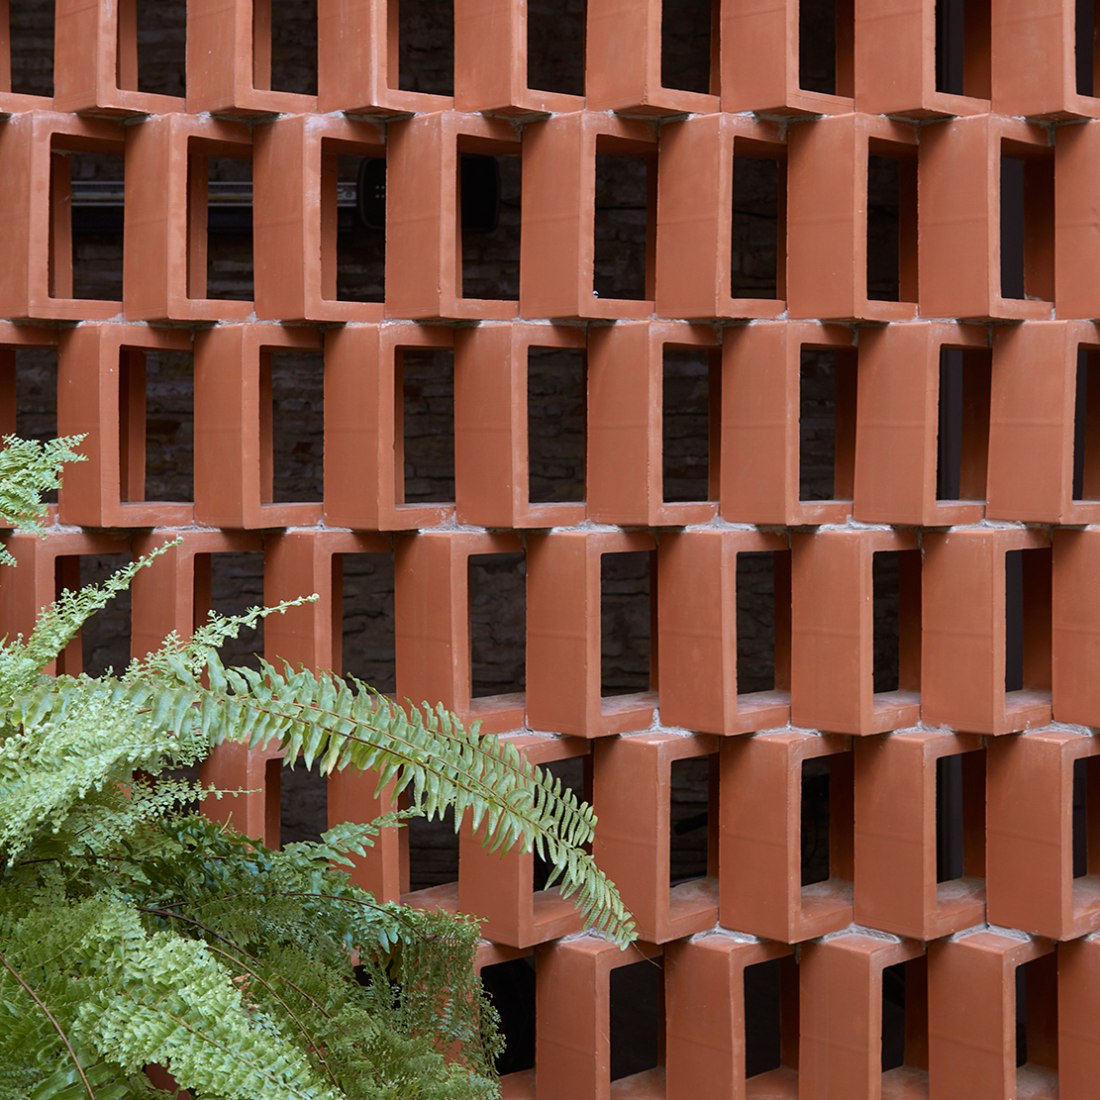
<point x="704" y="397"/>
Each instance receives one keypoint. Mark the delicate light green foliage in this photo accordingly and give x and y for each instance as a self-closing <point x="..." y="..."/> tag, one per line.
<point x="28" y="470"/>
<point x="134" y="931"/>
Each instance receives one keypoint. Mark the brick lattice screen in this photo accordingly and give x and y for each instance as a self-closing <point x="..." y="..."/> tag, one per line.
<point x="705" y="396"/>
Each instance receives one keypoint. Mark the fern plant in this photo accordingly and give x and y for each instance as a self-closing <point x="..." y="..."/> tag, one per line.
<point x="136" y="933"/>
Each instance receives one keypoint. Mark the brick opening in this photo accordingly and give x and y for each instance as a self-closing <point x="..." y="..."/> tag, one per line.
<point x="1086" y="777"/>
<point x="425" y="460"/>
<point x="425" y="45"/>
<point x="156" y="425"/>
<point x="688" y="45"/>
<point x="103" y="642"/>
<point x="960" y="817"/>
<point x="1036" y="1023"/>
<point x="511" y="987"/>
<point x="690" y="426"/>
<point x="229" y="584"/>
<point x="489" y="204"/>
<point x="220" y="259"/>
<point x="1086" y="425"/>
<point x="764" y="1010"/>
<point x="30" y="47"/>
<point x="498" y="624"/>
<point x="904" y="1031"/>
<point x="575" y="774"/>
<point x="1027" y="222"/>
<point x="826" y="825"/>
<point x="826" y="37"/>
<point x="284" y="34"/>
<point x="693" y="819"/>
<point x="86" y="235"/>
<point x="827" y="423"/>
<point x="627" y="642"/>
<point x="896" y="610"/>
<point x="152" y="46"/>
<point x="963" y="33"/>
<point x="1084" y="46"/>
<point x="815" y="825"/>
<point x="555" y="45"/>
<point x="291" y="425"/>
<point x="429" y="851"/>
<point x="891" y="224"/>
<point x="758" y="253"/>
<point x="363" y="591"/>
<point x="1027" y="620"/>
<point x="624" y="219"/>
<point x="962" y="440"/>
<point x="763" y="622"/>
<point x="354" y="199"/>
<point x="637" y="1018"/>
<point x="28" y="383"/>
<point x="303" y="804"/>
<point x="893" y="1017"/>
<point x="557" y="413"/>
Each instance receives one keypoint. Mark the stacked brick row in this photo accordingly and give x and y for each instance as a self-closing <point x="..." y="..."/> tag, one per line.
<point x="1021" y="514"/>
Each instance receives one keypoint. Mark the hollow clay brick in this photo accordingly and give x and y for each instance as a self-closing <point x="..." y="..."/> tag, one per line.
<point x="963" y="632"/>
<point x="165" y="273"/>
<point x="96" y="61"/>
<point x="557" y="246"/>
<point x="898" y="422"/>
<point x="229" y="60"/>
<point x="364" y="417"/>
<point x="491" y="55"/>
<point x="706" y="1032"/>
<point x="1031" y="885"/>
<point x="841" y="1009"/>
<point x="1032" y="417"/>
<point x="423" y="222"/>
<point x="359" y="49"/>
<point x="623" y="63"/>
<point x="698" y="164"/>
<point x="760" y="886"/>
<point x="296" y="168"/>
<point x="101" y="395"/>
<point x="760" y="448"/>
<point x="1075" y="627"/>
<point x="827" y="218"/>
<point x="492" y="462"/>
<point x="234" y="462"/>
<point x="632" y="798"/>
<point x="960" y="231"/>
<point x="36" y="278"/>
<point x="697" y="626"/>
<point x="433" y="625"/>
<point x="563" y="635"/>
<point x="625" y="421"/>
<point x="759" y="61"/>
<point x="896" y="835"/>
<point x="1078" y="1045"/>
<point x="833" y="627"/>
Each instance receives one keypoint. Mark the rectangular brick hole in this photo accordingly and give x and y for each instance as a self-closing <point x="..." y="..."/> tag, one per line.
<point x="626" y="622"/>
<point x="291" y="38"/>
<point x="1027" y="223"/>
<point x="624" y="214"/>
<point x="157" y="423"/>
<point x="555" y="45"/>
<point x="425" y="45"/>
<point x="498" y="623"/>
<point x="893" y="1016"/>
<point x="637" y="1017"/>
<point x="303" y="804"/>
<point x="692" y="788"/>
<point x="758" y="252"/>
<point x="228" y="269"/>
<point x="963" y="32"/>
<point x="557" y="415"/>
<point x="1085" y="775"/>
<point x="292" y="395"/>
<point x="29" y="380"/>
<point x="1036" y="1023"/>
<point x="30" y="42"/>
<point x="949" y="817"/>
<point x="763" y="1017"/>
<point x="366" y="603"/>
<point x="510" y="987"/>
<point x="891" y="226"/>
<point x="360" y="198"/>
<point x="574" y="774"/>
<point x="962" y="440"/>
<point x="895" y="578"/>
<point x="686" y="49"/>
<point x="763" y="621"/>
<point x="105" y="637"/>
<point x="1027" y="620"/>
<point x="1086" y="426"/>
<point x="825" y="45"/>
<point x="230" y="584"/>
<point x="489" y="190"/>
<point x="426" y="417"/>
<point x="433" y="851"/>
<point x="160" y="65"/>
<point x="92" y="267"/>
<point x="816" y="820"/>
<point x="690" y="429"/>
<point x="826" y="424"/>
<point x="1084" y="42"/>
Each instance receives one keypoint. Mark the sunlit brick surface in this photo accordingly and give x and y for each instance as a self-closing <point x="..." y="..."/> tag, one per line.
<point x="705" y="395"/>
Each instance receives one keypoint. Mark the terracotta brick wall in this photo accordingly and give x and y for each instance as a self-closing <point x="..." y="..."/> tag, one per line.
<point x="730" y="440"/>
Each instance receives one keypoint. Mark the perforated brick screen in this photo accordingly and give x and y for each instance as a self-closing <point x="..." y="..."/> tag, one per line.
<point x="704" y="395"/>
